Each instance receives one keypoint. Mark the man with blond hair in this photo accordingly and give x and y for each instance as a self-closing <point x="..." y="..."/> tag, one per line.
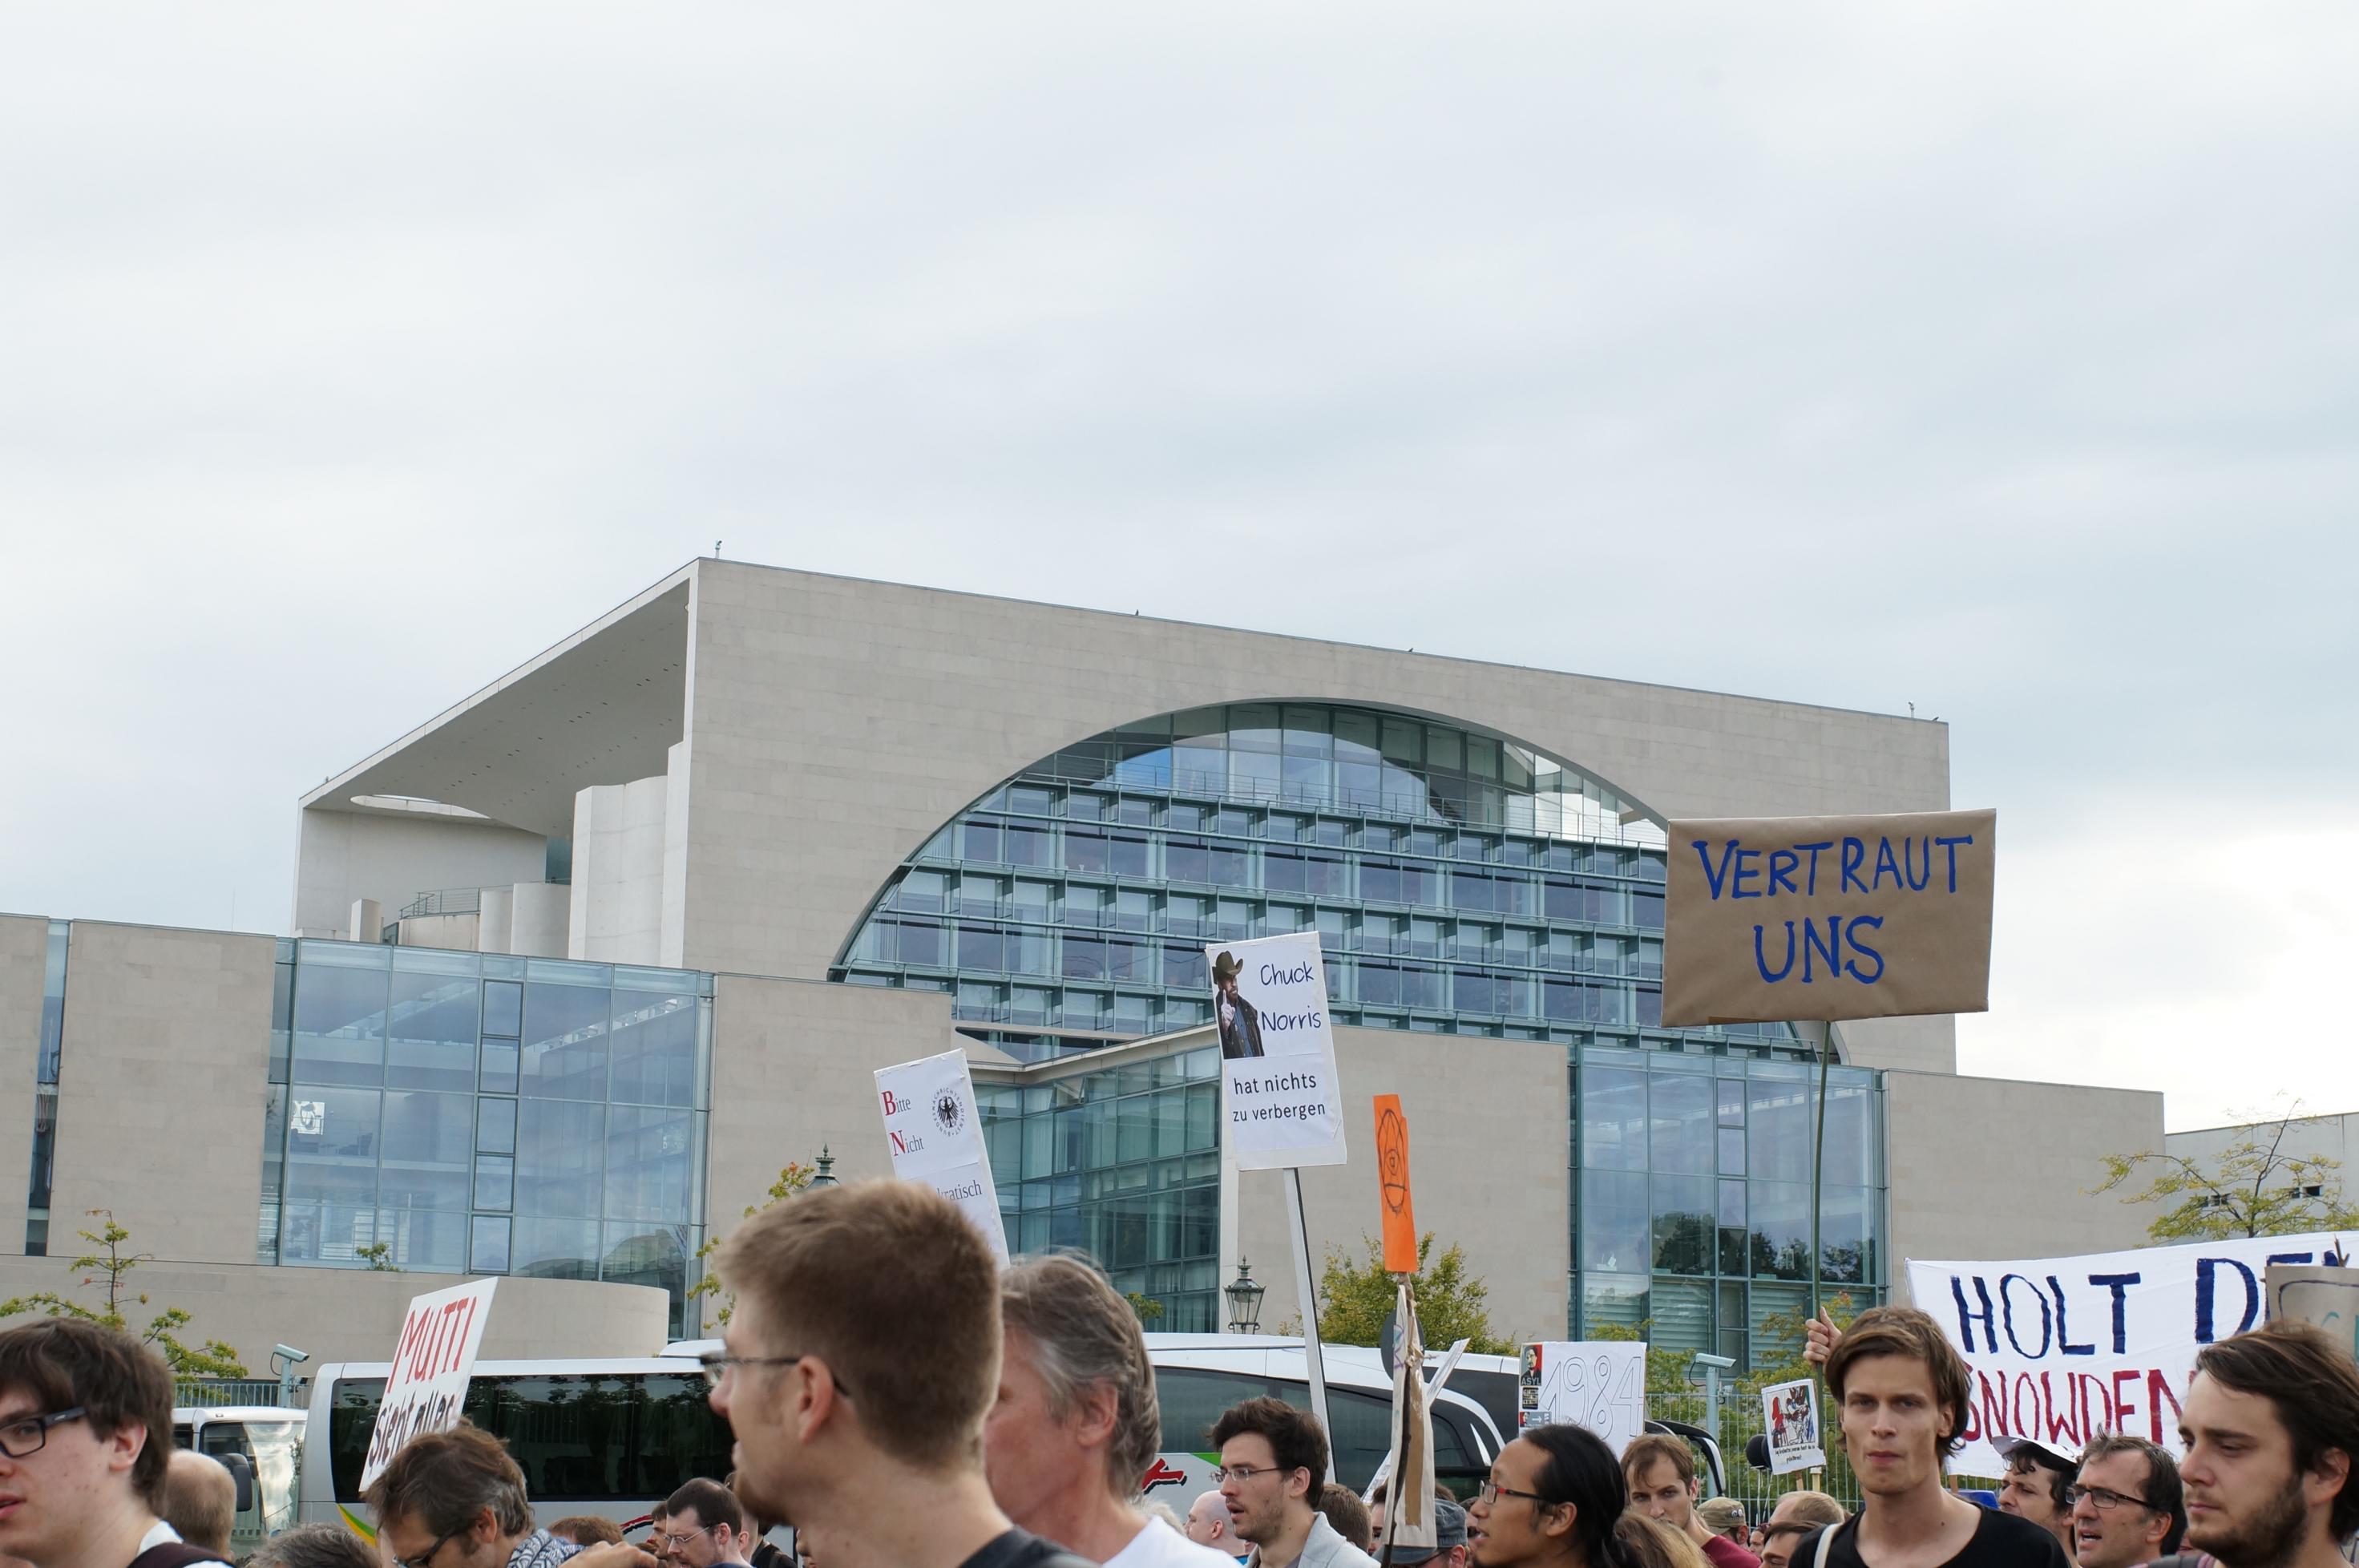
<point x="1076" y="1425"/>
<point x="857" y="1368"/>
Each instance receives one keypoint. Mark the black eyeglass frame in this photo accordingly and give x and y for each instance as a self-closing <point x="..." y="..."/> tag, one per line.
<point x="2097" y="1497"/>
<point x="427" y="1557"/>
<point x="1489" y="1493"/>
<point x="40" y="1425"/>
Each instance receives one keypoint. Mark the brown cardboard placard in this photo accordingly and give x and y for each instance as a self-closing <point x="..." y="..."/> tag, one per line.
<point x="1768" y="920"/>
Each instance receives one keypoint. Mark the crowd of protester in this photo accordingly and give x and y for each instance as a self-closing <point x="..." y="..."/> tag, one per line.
<point x="904" y="1402"/>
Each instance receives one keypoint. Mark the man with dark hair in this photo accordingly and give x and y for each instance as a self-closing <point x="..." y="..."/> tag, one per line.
<point x="2038" y="1485"/>
<point x="1660" y="1470"/>
<point x="85" y="1431"/>
<point x="1273" y="1463"/>
<point x="2271" y="1430"/>
<point x="455" y="1499"/>
<point x="1239" y="1023"/>
<point x="2126" y="1504"/>
<point x="200" y="1499"/>
<point x="861" y="1360"/>
<point x="1449" y="1548"/>
<point x="314" y="1546"/>
<point x="1348" y="1515"/>
<point x="1900" y="1392"/>
<point x="707" y="1526"/>
<point x="1077" y="1424"/>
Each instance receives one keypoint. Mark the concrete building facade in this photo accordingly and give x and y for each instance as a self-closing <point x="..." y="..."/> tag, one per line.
<point x="577" y="966"/>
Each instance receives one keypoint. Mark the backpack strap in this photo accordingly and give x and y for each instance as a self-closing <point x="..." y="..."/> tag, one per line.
<point x="1826" y="1545"/>
<point x="175" y="1554"/>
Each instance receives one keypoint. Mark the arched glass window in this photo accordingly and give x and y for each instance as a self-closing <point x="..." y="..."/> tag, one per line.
<point x="1462" y="883"/>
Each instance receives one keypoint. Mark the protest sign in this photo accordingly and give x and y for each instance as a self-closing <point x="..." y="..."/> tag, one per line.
<point x="2064" y="1347"/>
<point x="1397" y="1214"/>
<point x="1790" y="1414"/>
<point x="1768" y="920"/>
<point x="1278" y="1052"/>
<point x="2326" y="1297"/>
<point x="1599" y="1383"/>
<point x="935" y="1136"/>
<point x="432" y="1363"/>
<point x="1410" y="1523"/>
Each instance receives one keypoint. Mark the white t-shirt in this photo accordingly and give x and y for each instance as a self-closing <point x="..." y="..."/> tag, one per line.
<point x="1160" y="1546"/>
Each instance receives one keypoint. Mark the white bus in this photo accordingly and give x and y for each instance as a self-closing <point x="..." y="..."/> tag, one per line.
<point x="269" y="1440"/>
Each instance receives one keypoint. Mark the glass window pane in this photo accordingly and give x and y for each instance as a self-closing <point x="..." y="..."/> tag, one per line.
<point x="565" y="1042"/>
<point x="650" y="1164"/>
<point x="1614" y="1221"/>
<point x="1682" y="1123"/>
<point x="1686" y="1225"/>
<point x="340" y="1025"/>
<point x="560" y="1149"/>
<point x="654" y="1049"/>
<point x="500" y="1067"/>
<point x="1613" y="1119"/>
<point x="1781" y="1124"/>
<point x="495" y="1181"/>
<point x="488" y="1253"/>
<point x="503" y="1008"/>
<point x="554" y="1249"/>
<point x="1781" y="1229"/>
<point x="433" y="1043"/>
<point x="495" y="1126"/>
<point x="649" y="1254"/>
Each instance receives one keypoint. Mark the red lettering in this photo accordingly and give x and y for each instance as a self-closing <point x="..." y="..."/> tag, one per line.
<point x="2157" y="1389"/>
<point x="2064" y="1424"/>
<point x="1993" y="1407"/>
<point x="899" y="1146"/>
<point x="891" y="1105"/>
<point x="2023" y="1386"/>
<point x="2123" y="1406"/>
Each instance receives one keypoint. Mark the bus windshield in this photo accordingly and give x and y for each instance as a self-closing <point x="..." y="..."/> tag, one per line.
<point x="585" y="1438"/>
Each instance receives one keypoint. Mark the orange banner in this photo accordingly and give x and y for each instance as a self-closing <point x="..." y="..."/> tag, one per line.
<point x="1392" y="1177"/>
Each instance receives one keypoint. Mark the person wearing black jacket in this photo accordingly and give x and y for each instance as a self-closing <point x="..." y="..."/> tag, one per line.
<point x="85" y="1432"/>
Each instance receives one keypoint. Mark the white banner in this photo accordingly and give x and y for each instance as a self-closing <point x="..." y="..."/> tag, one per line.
<point x="2065" y="1347"/>
<point x="935" y="1136"/>
<point x="1790" y="1414"/>
<point x="1278" y="1052"/>
<point x="432" y="1363"/>
<point x="1598" y="1383"/>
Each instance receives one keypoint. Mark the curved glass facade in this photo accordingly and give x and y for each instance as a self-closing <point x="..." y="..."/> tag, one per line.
<point x="1461" y="883"/>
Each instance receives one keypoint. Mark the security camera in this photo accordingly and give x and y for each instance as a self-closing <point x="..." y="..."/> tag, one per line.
<point x="289" y="1352"/>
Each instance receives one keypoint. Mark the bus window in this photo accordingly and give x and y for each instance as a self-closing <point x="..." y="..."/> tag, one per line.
<point x="271" y="1447"/>
<point x="1193" y="1397"/>
<point x="577" y="1438"/>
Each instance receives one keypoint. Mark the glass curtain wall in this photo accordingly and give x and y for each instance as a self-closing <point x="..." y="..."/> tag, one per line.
<point x="1126" y="1164"/>
<point x="1693" y="1197"/>
<point x="455" y="1112"/>
<point x="45" y="1089"/>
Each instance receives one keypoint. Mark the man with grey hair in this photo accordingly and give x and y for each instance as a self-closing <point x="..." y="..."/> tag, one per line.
<point x="1069" y="1442"/>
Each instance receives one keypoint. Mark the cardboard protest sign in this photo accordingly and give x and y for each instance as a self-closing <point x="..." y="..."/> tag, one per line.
<point x="1768" y="920"/>
<point x="1278" y="1052"/>
<point x="2064" y="1347"/>
<point x="1789" y="1415"/>
<point x="432" y="1363"/>
<point x="1398" y="1214"/>
<point x="1411" y="1523"/>
<point x="935" y="1136"/>
<point x="2326" y="1297"/>
<point x="1600" y="1383"/>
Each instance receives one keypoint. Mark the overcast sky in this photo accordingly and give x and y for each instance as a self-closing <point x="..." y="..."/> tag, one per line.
<point x="1999" y="359"/>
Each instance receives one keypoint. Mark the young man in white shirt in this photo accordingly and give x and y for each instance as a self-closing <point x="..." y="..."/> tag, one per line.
<point x="1076" y="1425"/>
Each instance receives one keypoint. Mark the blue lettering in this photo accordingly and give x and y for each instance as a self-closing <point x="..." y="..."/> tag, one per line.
<point x="1713" y="878"/>
<point x="2289" y="1257"/>
<point x="1813" y="851"/>
<point x="1832" y="950"/>
<point x="2117" y="1283"/>
<point x="1951" y="846"/>
<point x="2204" y="1289"/>
<point x="1851" y="934"/>
<point x="1884" y="863"/>
<point x="2063" y="1334"/>
<point x="1761" y="962"/>
<point x="1908" y="864"/>
<point x="1854" y="855"/>
<point x="1782" y="879"/>
<point x="1736" y="883"/>
<point x="2007" y="1317"/>
<point x="1966" y="1314"/>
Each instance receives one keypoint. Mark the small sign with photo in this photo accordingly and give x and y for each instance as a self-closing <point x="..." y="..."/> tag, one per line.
<point x="1790" y="1414"/>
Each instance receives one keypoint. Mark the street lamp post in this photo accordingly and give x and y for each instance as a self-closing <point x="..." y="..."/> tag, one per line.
<point x="1245" y="1301"/>
<point x="825" y="1175"/>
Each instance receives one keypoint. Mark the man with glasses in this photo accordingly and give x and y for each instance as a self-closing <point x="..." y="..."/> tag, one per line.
<point x="706" y="1527"/>
<point x="1273" y="1463"/>
<point x="860" y="1361"/>
<point x="85" y="1432"/>
<point x="455" y="1499"/>
<point x="2127" y="1507"/>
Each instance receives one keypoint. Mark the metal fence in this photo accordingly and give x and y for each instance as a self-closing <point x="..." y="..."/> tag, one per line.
<point x="226" y="1391"/>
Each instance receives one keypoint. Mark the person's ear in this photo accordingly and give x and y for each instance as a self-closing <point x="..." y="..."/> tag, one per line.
<point x="2326" y="1482"/>
<point x="486" y="1526"/>
<point x="122" y="1449"/>
<point x="1093" y="1416"/>
<point x="1560" y="1520"/>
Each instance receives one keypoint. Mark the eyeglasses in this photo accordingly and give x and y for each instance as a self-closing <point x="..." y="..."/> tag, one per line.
<point x="1490" y="1492"/>
<point x="2106" y="1499"/>
<point x="427" y="1556"/>
<point x="674" y="1542"/>
<point x="716" y="1366"/>
<point x="22" y="1439"/>
<point x="1241" y="1474"/>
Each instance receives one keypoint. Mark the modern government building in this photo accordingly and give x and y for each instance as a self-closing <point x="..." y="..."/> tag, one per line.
<point x="578" y="964"/>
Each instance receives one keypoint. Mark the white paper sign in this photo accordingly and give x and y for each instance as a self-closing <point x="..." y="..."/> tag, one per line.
<point x="432" y="1363"/>
<point x="1278" y="1052"/>
<point x="934" y="1135"/>
<point x="1599" y="1383"/>
<point x="1790" y="1414"/>
<point x="2065" y="1347"/>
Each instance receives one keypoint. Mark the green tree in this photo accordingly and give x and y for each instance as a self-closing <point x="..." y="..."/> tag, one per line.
<point x="2253" y="1187"/>
<point x="1357" y="1293"/>
<point x="792" y="1178"/>
<point x="1147" y="1308"/>
<point x="212" y="1359"/>
<point x="379" y="1256"/>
